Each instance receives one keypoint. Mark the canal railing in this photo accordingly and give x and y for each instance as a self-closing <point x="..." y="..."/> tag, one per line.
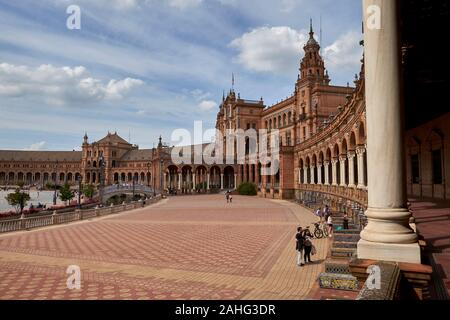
<point x="56" y="218"/>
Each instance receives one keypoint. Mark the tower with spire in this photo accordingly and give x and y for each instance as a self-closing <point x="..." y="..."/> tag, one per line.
<point x="312" y="66"/>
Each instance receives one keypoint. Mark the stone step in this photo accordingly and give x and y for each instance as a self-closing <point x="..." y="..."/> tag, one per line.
<point x="339" y="227"/>
<point x="342" y="252"/>
<point x="337" y="266"/>
<point x="342" y="237"/>
<point x="338" y="281"/>
<point x="342" y="244"/>
<point x="349" y="231"/>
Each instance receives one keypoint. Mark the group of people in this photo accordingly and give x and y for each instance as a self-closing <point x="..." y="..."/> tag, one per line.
<point x="304" y="246"/>
<point x="325" y="216"/>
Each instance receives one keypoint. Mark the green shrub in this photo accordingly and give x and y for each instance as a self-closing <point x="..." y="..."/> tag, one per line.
<point x="247" y="189"/>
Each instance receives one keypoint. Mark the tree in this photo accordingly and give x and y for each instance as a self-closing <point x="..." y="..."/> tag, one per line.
<point x="18" y="200"/>
<point x="65" y="194"/>
<point x="89" y="191"/>
<point x="247" y="189"/>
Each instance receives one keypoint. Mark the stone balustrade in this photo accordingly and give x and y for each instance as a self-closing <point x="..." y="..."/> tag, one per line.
<point x="55" y="218"/>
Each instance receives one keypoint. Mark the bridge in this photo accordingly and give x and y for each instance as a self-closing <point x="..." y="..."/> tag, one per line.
<point x="117" y="190"/>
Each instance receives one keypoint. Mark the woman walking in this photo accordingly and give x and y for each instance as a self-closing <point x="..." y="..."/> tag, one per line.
<point x="330" y="226"/>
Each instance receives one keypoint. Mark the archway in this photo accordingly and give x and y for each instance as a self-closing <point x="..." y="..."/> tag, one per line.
<point x="215" y="177"/>
<point x="172" y="177"/>
<point x="228" y="179"/>
<point x="186" y="178"/>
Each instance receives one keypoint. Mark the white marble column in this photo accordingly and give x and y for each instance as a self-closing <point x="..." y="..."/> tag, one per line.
<point x="194" y="181"/>
<point x="179" y="181"/>
<point x="319" y="174"/>
<point x="165" y="181"/>
<point x="235" y="181"/>
<point x="327" y="176"/>
<point x="361" y="170"/>
<point x="342" y="160"/>
<point x="312" y="175"/>
<point x="388" y="235"/>
<point x="221" y="181"/>
<point x="334" y="172"/>
<point x="305" y="175"/>
<point x="207" y="181"/>
<point x="351" y="169"/>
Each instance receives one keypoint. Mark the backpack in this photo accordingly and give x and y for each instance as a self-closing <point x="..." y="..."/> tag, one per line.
<point x="308" y="242"/>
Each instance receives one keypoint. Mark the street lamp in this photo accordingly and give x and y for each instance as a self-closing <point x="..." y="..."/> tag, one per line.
<point x="148" y="174"/>
<point x="134" y="184"/>
<point x="101" y="177"/>
<point x="79" y="192"/>
<point x="161" y="183"/>
<point x="54" y="183"/>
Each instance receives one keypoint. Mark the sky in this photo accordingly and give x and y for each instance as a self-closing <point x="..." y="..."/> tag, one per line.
<point x="144" y="68"/>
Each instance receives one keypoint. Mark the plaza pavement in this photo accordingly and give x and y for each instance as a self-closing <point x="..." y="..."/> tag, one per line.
<point x="187" y="247"/>
<point x="433" y="225"/>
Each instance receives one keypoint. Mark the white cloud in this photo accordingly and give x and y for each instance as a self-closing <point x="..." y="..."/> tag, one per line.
<point x="115" y="4"/>
<point x="183" y="4"/>
<point x="207" y="105"/>
<point x="345" y="53"/>
<point x="200" y="95"/>
<point x="37" y="146"/>
<point x="60" y="85"/>
<point x="275" y="49"/>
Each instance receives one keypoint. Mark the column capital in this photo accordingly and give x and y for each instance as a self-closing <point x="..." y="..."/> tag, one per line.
<point x="351" y="154"/>
<point x="360" y="150"/>
<point x="342" y="157"/>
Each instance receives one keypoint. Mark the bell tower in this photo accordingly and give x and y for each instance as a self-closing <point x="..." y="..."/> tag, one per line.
<point x="312" y="66"/>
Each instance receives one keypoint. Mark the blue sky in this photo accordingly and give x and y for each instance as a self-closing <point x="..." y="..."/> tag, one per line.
<point x="147" y="67"/>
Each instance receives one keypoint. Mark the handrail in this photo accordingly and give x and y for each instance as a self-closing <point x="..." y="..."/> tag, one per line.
<point x="55" y="218"/>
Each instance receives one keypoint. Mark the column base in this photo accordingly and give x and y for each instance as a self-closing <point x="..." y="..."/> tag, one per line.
<point x="409" y="253"/>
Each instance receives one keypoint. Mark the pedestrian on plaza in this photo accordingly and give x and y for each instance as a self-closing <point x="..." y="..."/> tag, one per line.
<point x="231" y="198"/>
<point x="345" y="222"/>
<point x="307" y="233"/>
<point x="327" y="212"/>
<point x="299" y="246"/>
<point x="227" y="195"/>
<point x="330" y="225"/>
<point x="308" y="248"/>
<point x="318" y="213"/>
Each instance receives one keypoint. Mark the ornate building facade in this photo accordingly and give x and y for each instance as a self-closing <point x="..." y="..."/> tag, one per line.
<point x="343" y="146"/>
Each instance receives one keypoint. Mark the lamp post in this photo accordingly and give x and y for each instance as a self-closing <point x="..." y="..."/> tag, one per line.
<point x="134" y="186"/>
<point x="148" y="174"/>
<point x="161" y="185"/>
<point x="101" y="177"/>
<point x="79" y="192"/>
<point x="54" y="183"/>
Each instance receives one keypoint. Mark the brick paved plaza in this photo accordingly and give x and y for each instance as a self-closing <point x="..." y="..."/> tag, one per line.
<point x="193" y="247"/>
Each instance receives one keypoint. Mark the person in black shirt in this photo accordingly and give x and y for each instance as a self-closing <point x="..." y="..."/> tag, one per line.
<point x="299" y="247"/>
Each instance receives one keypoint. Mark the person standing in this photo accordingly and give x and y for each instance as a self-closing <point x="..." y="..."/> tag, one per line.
<point x="299" y="247"/>
<point x="308" y="248"/>
<point x="345" y="223"/>
<point x="330" y="225"/>
<point x="227" y="195"/>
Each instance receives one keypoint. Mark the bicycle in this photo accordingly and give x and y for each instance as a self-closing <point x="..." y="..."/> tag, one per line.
<point x="320" y="230"/>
